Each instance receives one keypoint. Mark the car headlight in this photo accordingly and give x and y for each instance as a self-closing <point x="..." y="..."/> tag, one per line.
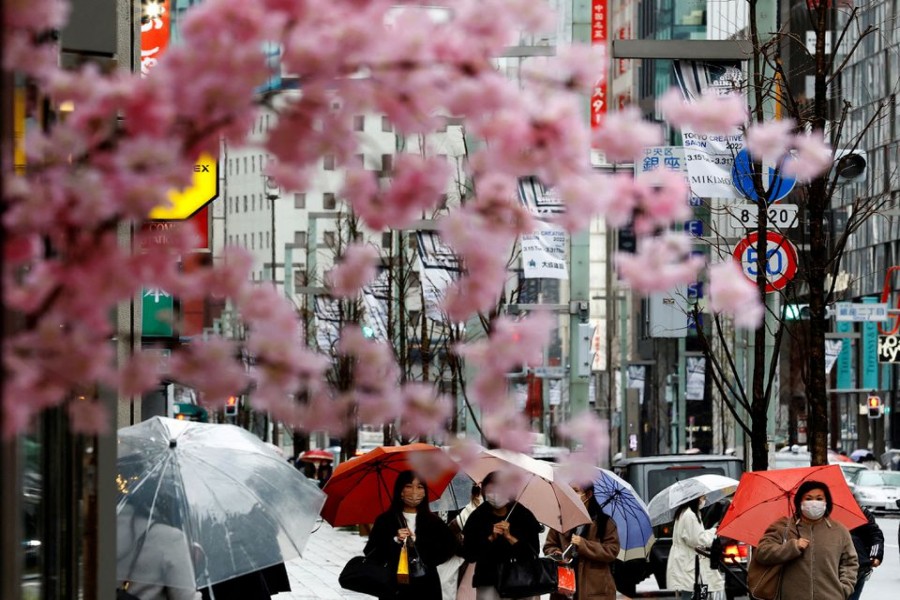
<point x="863" y="494"/>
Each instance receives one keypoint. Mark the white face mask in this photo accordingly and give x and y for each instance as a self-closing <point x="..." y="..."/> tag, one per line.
<point x="496" y="499"/>
<point x="813" y="509"/>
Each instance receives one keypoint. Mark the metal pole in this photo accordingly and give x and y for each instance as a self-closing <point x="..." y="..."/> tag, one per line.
<point x="680" y="403"/>
<point x="623" y="372"/>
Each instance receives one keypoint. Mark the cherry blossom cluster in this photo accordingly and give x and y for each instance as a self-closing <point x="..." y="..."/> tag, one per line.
<point x="802" y="155"/>
<point x="93" y="177"/>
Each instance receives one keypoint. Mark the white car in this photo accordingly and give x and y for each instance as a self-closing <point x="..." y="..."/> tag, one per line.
<point x="878" y="490"/>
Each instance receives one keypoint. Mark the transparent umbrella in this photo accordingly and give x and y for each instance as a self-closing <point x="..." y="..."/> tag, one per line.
<point x="200" y="503"/>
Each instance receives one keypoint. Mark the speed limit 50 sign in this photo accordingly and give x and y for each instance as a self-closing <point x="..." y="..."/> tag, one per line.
<point x="780" y="263"/>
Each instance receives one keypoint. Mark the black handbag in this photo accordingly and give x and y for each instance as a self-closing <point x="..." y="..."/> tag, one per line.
<point x="519" y="577"/>
<point x="416" y="566"/>
<point x="367" y="576"/>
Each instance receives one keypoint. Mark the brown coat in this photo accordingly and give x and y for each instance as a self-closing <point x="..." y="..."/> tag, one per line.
<point x="826" y="570"/>
<point x="593" y="578"/>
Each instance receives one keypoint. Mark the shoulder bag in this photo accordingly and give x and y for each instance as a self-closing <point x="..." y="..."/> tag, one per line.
<point x="366" y="575"/>
<point x="519" y="577"/>
<point x="764" y="581"/>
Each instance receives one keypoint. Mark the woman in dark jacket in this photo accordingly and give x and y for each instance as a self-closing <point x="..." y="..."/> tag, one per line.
<point x="409" y="521"/>
<point x="497" y="530"/>
<point x="595" y="547"/>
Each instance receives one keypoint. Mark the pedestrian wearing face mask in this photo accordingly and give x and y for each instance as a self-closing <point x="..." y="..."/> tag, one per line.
<point x="817" y="553"/>
<point x="499" y="529"/>
<point x="409" y="521"/>
<point x="682" y="569"/>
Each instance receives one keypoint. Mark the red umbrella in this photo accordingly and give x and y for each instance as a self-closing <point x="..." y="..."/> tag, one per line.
<point x="361" y="488"/>
<point x="316" y="456"/>
<point x="764" y="496"/>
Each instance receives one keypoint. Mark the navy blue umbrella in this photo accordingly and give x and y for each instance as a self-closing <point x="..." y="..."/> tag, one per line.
<point x="618" y="499"/>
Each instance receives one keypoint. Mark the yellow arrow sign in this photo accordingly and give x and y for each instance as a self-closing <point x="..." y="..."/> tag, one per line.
<point x="188" y="201"/>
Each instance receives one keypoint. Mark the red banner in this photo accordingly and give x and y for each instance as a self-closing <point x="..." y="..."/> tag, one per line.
<point x="155" y="27"/>
<point x="599" y="36"/>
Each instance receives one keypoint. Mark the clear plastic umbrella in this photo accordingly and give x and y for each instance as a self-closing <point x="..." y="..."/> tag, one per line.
<point x="664" y="505"/>
<point x="200" y="503"/>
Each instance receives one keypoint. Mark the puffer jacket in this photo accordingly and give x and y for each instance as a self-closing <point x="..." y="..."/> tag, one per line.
<point x="826" y="570"/>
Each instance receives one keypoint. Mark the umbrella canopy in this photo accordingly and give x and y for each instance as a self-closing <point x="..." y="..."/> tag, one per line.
<point x="214" y="499"/>
<point x="553" y="502"/>
<point x="861" y="454"/>
<point x="456" y="496"/>
<point x="618" y="499"/>
<point x="666" y="503"/>
<point x="316" y="456"/>
<point x="765" y="496"/>
<point x="360" y="489"/>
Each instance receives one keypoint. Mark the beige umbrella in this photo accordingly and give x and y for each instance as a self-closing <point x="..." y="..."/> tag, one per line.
<point x="553" y="502"/>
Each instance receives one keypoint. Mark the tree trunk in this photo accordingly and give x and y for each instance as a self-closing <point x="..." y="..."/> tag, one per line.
<point x="817" y="203"/>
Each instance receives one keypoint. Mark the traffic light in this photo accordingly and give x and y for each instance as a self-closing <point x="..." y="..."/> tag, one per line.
<point x="231" y="406"/>
<point x="876" y="408"/>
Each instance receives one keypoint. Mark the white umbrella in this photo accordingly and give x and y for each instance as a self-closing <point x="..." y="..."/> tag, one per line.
<point x="553" y="502"/>
<point x="664" y="505"/>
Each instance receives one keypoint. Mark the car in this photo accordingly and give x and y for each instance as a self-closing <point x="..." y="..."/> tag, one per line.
<point x="650" y="475"/>
<point x="890" y="460"/>
<point x="877" y="490"/>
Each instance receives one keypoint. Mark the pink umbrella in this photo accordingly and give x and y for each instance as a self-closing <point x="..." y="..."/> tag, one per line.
<point x="553" y="502"/>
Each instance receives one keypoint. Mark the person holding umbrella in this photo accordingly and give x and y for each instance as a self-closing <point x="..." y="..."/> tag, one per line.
<point x="816" y="553"/>
<point x="596" y="546"/>
<point x="868" y="540"/>
<point x="499" y="529"/>
<point x="685" y="567"/>
<point x="410" y="523"/>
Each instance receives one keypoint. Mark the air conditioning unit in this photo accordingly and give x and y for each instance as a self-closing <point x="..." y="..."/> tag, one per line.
<point x="850" y="166"/>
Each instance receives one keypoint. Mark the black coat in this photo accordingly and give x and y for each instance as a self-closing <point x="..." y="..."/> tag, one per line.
<point x="259" y="585"/>
<point x="868" y="540"/>
<point x="486" y="555"/>
<point x="434" y="543"/>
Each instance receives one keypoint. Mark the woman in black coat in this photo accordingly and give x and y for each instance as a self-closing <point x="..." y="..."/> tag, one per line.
<point x="409" y="521"/>
<point x="496" y="531"/>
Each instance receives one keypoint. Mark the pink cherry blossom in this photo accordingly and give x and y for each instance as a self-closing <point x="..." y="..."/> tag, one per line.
<point x="624" y="135"/>
<point x="358" y="268"/>
<point x="88" y="417"/>
<point x="771" y="140"/>
<point x="660" y="264"/>
<point x="425" y="412"/>
<point x="661" y="200"/>
<point x="732" y="294"/>
<point x="711" y="113"/>
<point x="813" y="157"/>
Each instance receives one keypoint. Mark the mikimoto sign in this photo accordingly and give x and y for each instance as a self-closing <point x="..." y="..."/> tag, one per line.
<point x="185" y="203"/>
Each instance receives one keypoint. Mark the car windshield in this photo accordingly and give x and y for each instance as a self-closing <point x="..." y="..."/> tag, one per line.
<point x="877" y="478"/>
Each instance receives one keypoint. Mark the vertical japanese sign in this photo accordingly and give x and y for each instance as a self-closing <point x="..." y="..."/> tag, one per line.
<point x="599" y="37"/>
<point x="869" y="361"/>
<point x="155" y="29"/>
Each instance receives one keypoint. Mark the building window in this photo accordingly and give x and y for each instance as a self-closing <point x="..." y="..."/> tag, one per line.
<point x="300" y="201"/>
<point x="387" y="163"/>
<point x="245" y="241"/>
<point x="329" y="238"/>
<point x="300" y="279"/>
<point x="360" y="160"/>
<point x="253" y="241"/>
<point x="245" y="203"/>
<point x="245" y="165"/>
<point x="253" y="164"/>
<point x="328" y="162"/>
<point x="328" y="201"/>
<point x="386" y="124"/>
<point x="253" y="202"/>
<point x="359" y="123"/>
<point x="268" y="240"/>
<point x="300" y="239"/>
<point x="413" y="279"/>
<point x="387" y="240"/>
